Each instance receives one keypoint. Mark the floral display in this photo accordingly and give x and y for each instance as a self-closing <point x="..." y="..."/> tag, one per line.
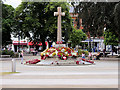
<point x="61" y="52"/>
<point x="32" y="61"/>
<point x="84" y="61"/>
<point x="59" y="42"/>
<point x="88" y="60"/>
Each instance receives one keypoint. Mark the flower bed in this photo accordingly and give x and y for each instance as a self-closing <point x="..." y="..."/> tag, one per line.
<point x="84" y="61"/>
<point x="61" y="52"/>
<point x="32" y="61"/>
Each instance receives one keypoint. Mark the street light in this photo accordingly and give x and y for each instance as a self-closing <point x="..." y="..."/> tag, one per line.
<point x="20" y="21"/>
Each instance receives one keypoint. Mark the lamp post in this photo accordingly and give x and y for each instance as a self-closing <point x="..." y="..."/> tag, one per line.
<point x="47" y="39"/>
<point x="104" y="37"/>
<point x="20" y="21"/>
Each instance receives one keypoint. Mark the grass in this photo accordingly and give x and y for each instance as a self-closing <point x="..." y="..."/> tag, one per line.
<point x="7" y="73"/>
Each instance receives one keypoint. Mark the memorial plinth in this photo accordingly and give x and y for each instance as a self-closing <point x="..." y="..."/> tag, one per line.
<point x="60" y="45"/>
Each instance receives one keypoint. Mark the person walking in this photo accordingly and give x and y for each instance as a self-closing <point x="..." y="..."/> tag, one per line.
<point x="22" y="57"/>
<point x="90" y="56"/>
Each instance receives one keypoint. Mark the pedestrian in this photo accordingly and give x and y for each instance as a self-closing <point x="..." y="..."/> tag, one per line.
<point x="76" y="51"/>
<point x="90" y="56"/>
<point x="97" y="56"/>
<point x="22" y="57"/>
<point x="36" y="52"/>
<point x="83" y="55"/>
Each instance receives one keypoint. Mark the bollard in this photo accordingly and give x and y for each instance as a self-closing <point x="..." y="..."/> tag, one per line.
<point x="13" y="65"/>
<point x="19" y="55"/>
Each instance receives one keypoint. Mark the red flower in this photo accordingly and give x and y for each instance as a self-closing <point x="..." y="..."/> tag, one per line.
<point x="44" y="57"/>
<point x="70" y="54"/>
<point x="77" y="62"/>
<point x="64" y="57"/>
<point x="59" y="42"/>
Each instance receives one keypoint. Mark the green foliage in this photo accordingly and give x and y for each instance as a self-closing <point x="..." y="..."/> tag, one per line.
<point x="110" y="38"/>
<point x="0" y="52"/>
<point x="81" y="51"/>
<point x="7" y="52"/>
<point x="52" y="20"/>
<point x="77" y="36"/>
<point x="38" y="18"/>
<point x="7" y="23"/>
<point x="16" y="55"/>
<point x="117" y="20"/>
<point x="98" y="15"/>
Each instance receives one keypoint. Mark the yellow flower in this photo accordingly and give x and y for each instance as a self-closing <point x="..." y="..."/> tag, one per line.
<point x="53" y="54"/>
<point x="42" y="54"/>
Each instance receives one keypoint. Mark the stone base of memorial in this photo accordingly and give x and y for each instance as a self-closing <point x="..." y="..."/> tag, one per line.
<point x="60" y="45"/>
<point x="55" y="61"/>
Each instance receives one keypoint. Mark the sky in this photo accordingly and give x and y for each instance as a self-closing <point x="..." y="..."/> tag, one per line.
<point x="14" y="3"/>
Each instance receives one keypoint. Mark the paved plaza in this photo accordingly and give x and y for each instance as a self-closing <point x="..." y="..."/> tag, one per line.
<point x="104" y="74"/>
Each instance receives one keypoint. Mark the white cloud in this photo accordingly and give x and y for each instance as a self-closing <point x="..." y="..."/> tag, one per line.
<point x="14" y="3"/>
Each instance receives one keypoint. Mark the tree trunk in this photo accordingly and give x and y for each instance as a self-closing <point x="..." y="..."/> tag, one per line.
<point x="119" y="45"/>
<point x="43" y="44"/>
<point x="90" y="44"/>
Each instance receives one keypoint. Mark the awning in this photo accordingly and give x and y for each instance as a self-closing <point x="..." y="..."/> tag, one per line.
<point x="40" y="43"/>
<point x="19" y="43"/>
<point x="30" y="43"/>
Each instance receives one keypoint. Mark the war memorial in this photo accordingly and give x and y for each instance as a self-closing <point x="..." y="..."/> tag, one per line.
<point x="59" y="67"/>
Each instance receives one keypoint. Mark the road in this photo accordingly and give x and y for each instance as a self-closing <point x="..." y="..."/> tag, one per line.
<point x="104" y="74"/>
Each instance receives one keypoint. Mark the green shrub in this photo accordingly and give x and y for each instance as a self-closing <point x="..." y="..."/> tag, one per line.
<point x="15" y="55"/>
<point x="0" y="52"/>
<point x="81" y="51"/>
<point x="7" y="52"/>
<point x="11" y="53"/>
<point x="86" y="52"/>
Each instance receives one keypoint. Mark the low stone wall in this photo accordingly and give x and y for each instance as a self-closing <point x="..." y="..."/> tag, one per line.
<point x="5" y="56"/>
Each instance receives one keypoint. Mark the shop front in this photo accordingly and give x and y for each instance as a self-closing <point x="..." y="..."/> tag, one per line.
<point x="27" y="46"/>
<point x="35" y="46"/>
<point x="96" y="44"/>
<point x="19" y="45"/>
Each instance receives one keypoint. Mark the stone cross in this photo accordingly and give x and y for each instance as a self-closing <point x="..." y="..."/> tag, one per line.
<point x="59" y="14"/>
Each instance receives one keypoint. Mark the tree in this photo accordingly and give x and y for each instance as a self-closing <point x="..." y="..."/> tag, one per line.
<point x="38" y="18"/>
<point x="117" y="20"/>
<point x="99" y="15"/>
<point x="7" y="23"/>
<point x="95" y="16"/>
<point x="110" y="38"/>
<point x="77" y="36"/>
<point x="1" y="25"/>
